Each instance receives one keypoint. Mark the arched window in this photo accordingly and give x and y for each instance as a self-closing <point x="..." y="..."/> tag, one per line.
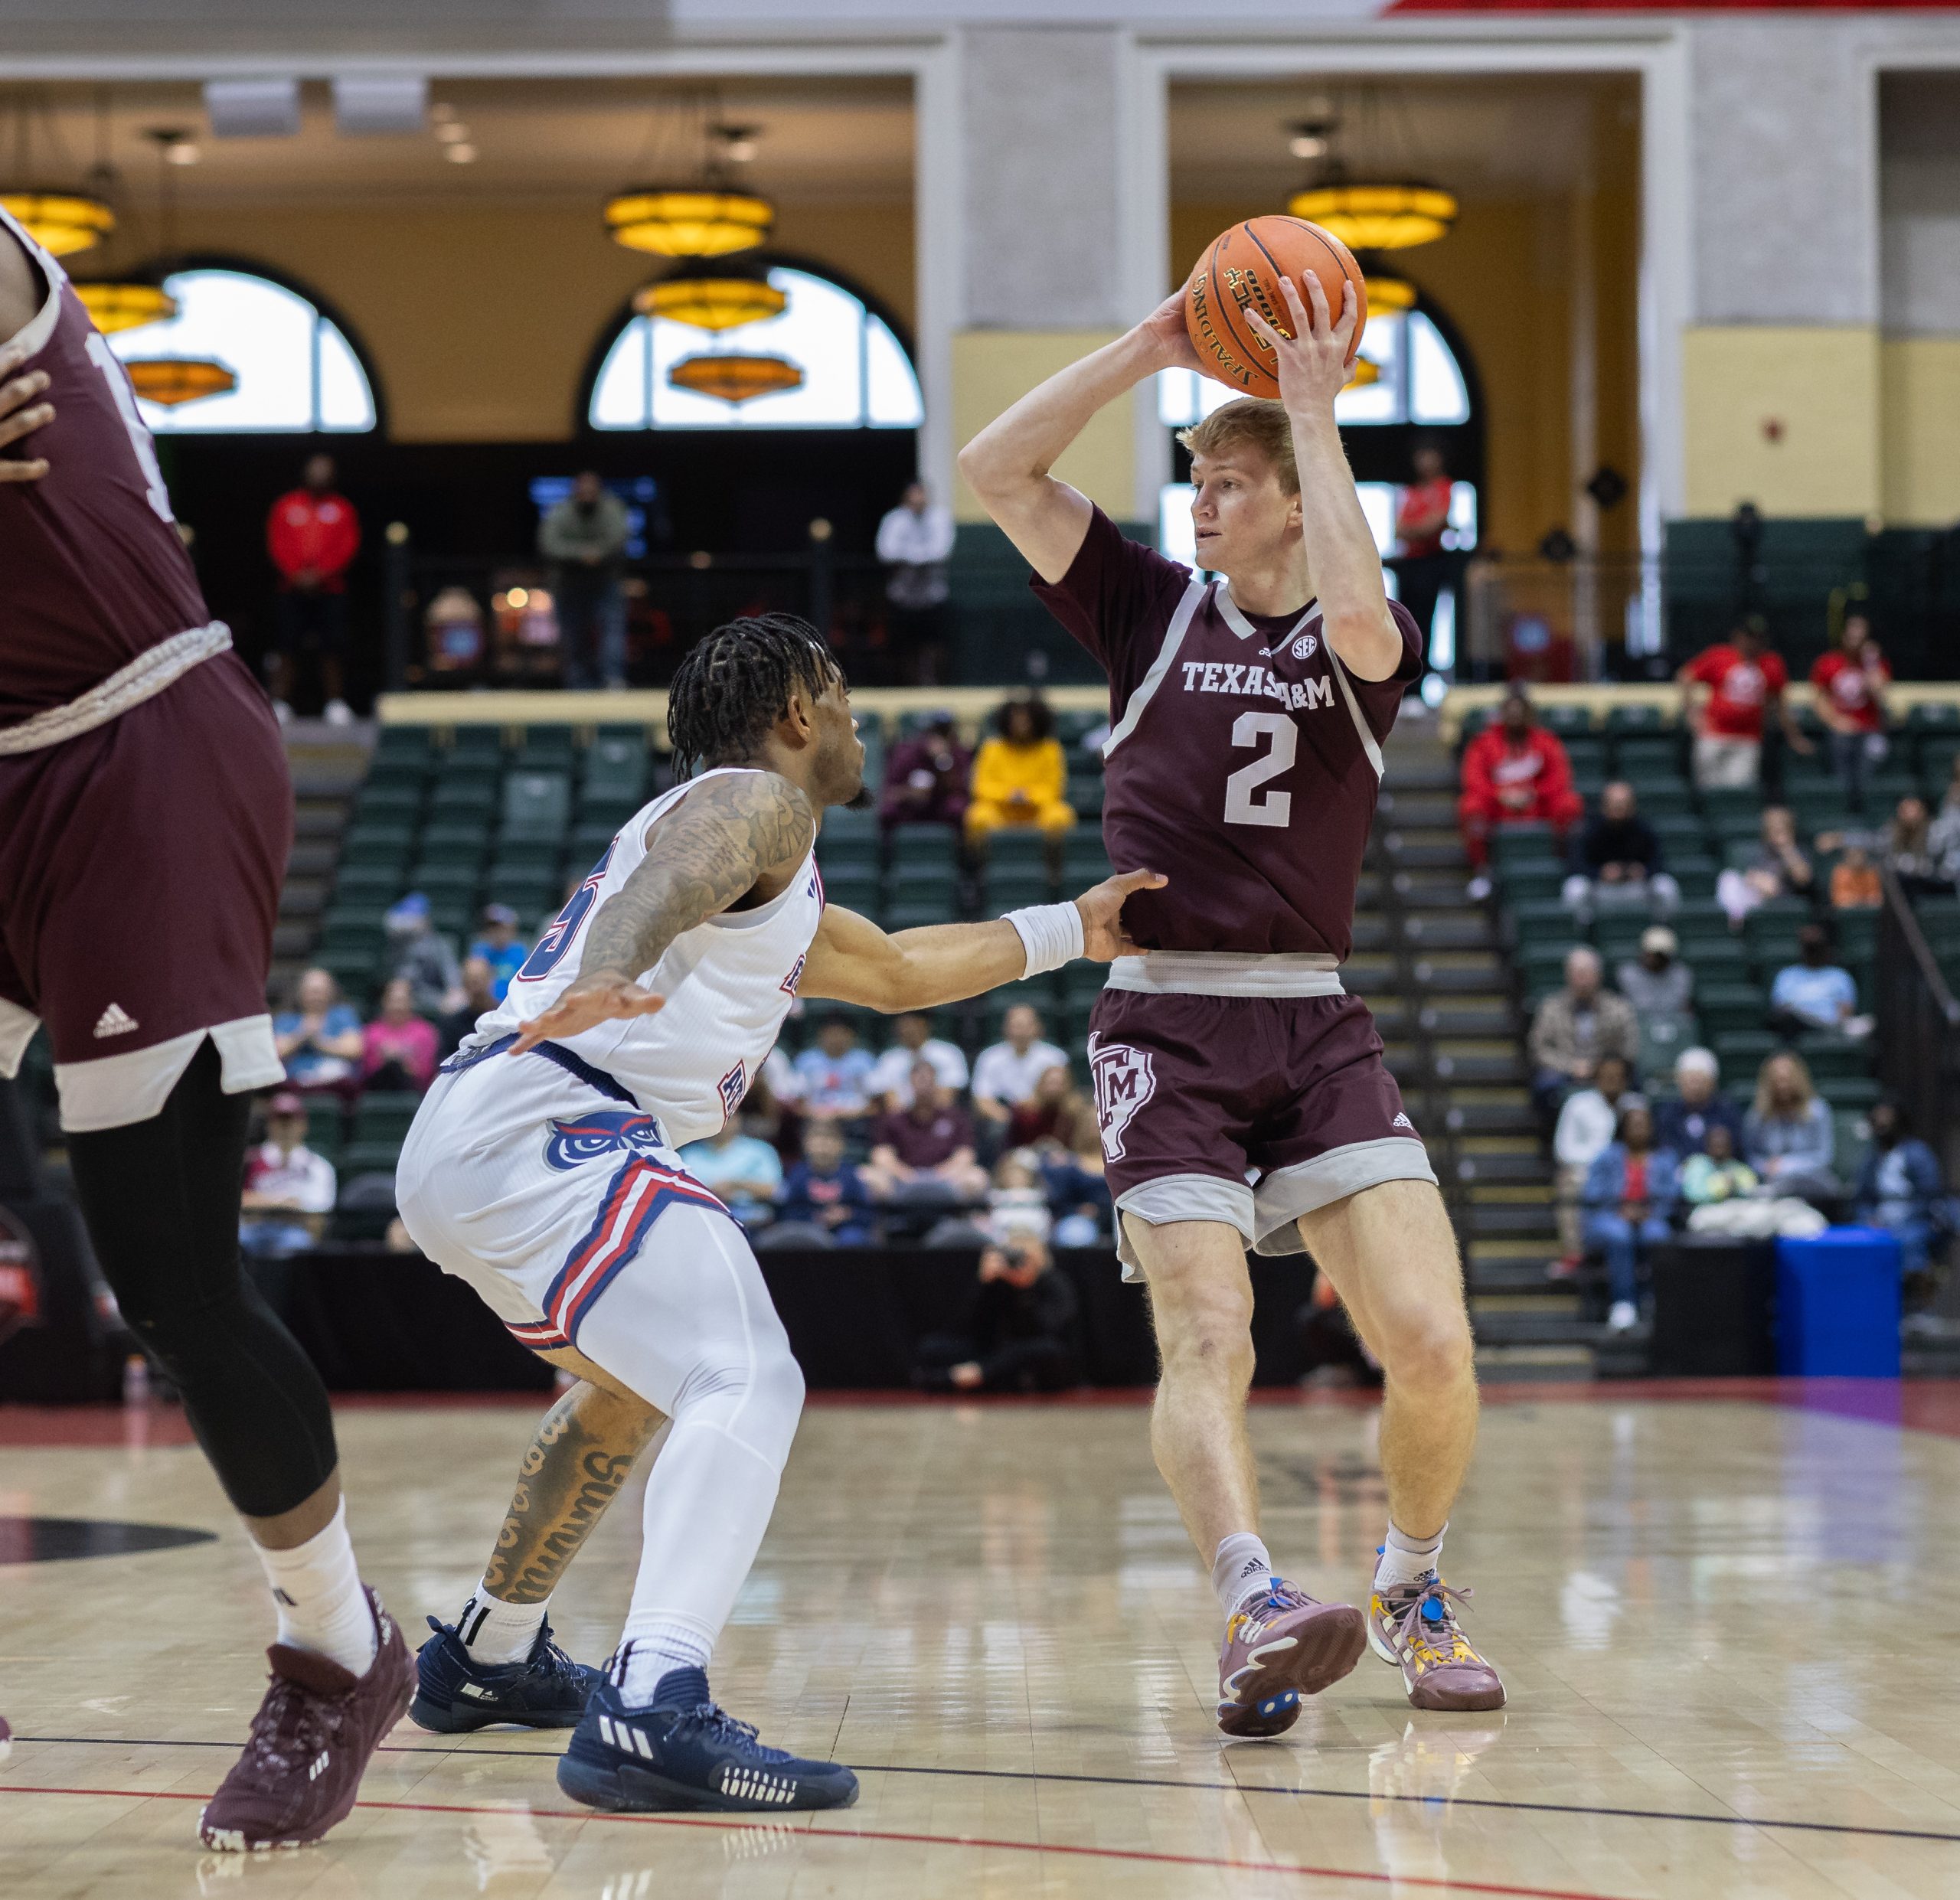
<point x="296" y="371"/>
<point x="856" y="374"/>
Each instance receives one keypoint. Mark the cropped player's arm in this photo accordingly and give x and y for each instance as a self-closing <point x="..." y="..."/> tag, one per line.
<point x="853" y="961"/>
<point x="1342" y="553"/>
<point x="705" y="854"/>
<point x="1007" y="464"/>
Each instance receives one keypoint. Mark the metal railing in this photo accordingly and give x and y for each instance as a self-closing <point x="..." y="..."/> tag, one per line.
<point x="1919" y="1027"/>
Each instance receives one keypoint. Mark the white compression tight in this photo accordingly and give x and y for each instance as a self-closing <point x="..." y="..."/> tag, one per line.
<point x="690" y="1328"/>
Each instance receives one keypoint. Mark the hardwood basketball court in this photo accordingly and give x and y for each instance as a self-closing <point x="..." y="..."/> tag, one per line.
<point x="1715" y="1607"/>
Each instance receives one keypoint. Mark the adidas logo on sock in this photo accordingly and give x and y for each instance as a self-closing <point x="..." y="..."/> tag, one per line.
<point x="114" y="1020"/>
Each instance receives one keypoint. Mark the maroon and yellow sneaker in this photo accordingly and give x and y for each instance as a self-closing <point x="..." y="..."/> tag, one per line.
<point x="1415" y="1626"/>
<point x="311" y="1742"/>
<point x="1278" y="1647"/>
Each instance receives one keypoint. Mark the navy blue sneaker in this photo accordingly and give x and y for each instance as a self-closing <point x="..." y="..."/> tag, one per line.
<point x="682" y="1751"/>
<point x="453" y="1694"/>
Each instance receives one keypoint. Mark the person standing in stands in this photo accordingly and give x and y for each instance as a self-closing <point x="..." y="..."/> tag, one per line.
<point x="1727" y="690"/>
<point x="1514" y="772"/>
<point x="914" y="542"/>
<point x="584" y="537"/>
<point x="1849" y="684"/>
<point x="312" y="534"/>
<point x="1421" y="513"/>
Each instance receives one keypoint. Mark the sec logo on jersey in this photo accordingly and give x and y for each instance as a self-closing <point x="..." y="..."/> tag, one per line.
<point x="1303" y="648"/>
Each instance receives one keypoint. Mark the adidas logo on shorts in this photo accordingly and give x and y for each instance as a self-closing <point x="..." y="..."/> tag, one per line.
<point x="1400" y="1122"/>
<point x="114" y="1020"/>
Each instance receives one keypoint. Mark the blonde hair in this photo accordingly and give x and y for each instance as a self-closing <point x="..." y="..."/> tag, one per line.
<point x="1249" y="420"/>
<point x="1765" y="1106"/>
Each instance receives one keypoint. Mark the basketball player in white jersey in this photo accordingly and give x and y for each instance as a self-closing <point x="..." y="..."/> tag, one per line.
<point x="541" y="1168"/>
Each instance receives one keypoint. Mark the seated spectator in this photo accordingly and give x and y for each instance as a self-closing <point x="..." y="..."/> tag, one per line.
<point x="826" y="1191"/>
<point x="1779" y="868"/>
<point x="1016" y="1334"/>
<point x="1813" y="993"/>
<point x="478" y="999"/>
<point x="1855" y="884"/>
<point x="1683" y="1126"/>
<point x="289" y="1190"/>
<point x="1911" y="855"/>
<point x="1514" y="772"/>
<point x="1727" y="691"/>
<point x="890" y="1080"/>
<point x="927" y="776"/>
<point x="1019" y="775"/>
<point x="500" y="947"/>
<point x="1943" y="834"/>
<point x="416" y="952"/>
<point x="924" y="1150"/>
<point x="1847" y="687"/>
<point x="836" y="1074"/>
<point x="1616" y="863"/>
<point x="1630" y="1193"/>
<point x="1717" y="1174"/>
<point x="319" y="1039"/>
<point x="1899" y="1189"/>
<point x="1017" y="1202"/>
<point x="1078" y="1196"/>
<point x="1787" y="1137"/>
<point x="398" y="1048"/>
<point x="1574" y="1027"/>
<point x="1587" y="1125"/>
<point x="739" y="1168"/>
<point x="1657" y="982"/>
<point x="1058" y="1112"/>
<point x="1006" y="1074"/>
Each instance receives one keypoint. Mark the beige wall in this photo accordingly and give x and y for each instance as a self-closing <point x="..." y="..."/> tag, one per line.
<point x="480" y="322"/>
<point x="1919" y="386"/>
<point x="993" y="369"/>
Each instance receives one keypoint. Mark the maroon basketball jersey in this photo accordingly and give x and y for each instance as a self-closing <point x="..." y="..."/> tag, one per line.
<point x="92" y="572"/>
<point x="1243" y="760"/>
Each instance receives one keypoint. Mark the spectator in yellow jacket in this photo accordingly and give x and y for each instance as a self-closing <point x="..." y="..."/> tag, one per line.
<point x="1019" y="775"/>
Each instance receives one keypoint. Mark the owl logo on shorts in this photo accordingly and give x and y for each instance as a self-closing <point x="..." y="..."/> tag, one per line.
<point x="1125" y="1080"/>
<point x="1303" y="648"/>
<point x="604" y="1132"/>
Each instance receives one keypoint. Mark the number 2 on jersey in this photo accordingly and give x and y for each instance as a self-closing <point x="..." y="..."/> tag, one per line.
<point x="1274" y="808"/>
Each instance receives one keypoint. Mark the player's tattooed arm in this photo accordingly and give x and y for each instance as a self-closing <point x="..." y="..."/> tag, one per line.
<point x="584" y="1451"/>
<point x="705" y="854"/>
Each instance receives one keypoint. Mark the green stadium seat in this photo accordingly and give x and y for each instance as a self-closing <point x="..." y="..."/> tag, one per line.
<point x="356" y="970"/>
<point x="1726" y="1008"/>
<point x="454" y="842"/>
<point x="480" y="745"/>
<point x="1085" y="858"/>
<point x="1660" y="798"/>
<point x="853" y="890"/>
<point x="473" y="794"/>
<point x="557" y="742"/>
<point x="1741" y="1053"/>
<point x="405" y="743"/>
<point x="1662" y="1039"/>
<point x="923" y="845"/>
<point x="1016" y="890"/>
<point x="1834" y="1056"/>
<point x="445" y="881"/>
<point x="535" y="856"/>
<point x="1638" y="716"/>
<point x="916" y="908"/>
<point x="1541" y="919"/>
<point x="1588" y="757"/>
<point x="413" y="772"/>
<point x="1026" y="851"/>
<point x="1530" y="883"/>
<point x="349" y="929"/>
<point x="616" y="771"/>
<point x="1564" y="720"/>
<point x="387" y="804"/>
<point x="526" y="892"/>
<point x="841" y="823"/>
<point x="377" y="844"/>
<point x="1521" y="844"/>
<point x="847" y="857"/>
<point x="1850" y="1095"/>
<point x="376" y="886"/>
<point x="537" y="805"/>
<point x="1850" y="1131"/>
<point x="1085" y="793"/>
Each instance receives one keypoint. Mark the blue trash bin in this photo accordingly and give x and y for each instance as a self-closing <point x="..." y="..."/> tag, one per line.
<point x="1838" y="1305"/>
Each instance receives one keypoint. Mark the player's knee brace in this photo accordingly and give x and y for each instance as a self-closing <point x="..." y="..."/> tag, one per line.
<point x="752" y="1391"/>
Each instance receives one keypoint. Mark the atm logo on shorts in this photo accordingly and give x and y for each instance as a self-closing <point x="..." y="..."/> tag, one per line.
<point x="1125" y="1080"/>
<point x="604" y="1132"/>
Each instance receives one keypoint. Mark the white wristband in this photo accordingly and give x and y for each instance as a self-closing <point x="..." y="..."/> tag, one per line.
<point x="1051" y="934"/>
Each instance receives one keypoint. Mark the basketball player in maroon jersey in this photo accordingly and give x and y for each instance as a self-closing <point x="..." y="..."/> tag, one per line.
<point x="146" y="816"/>
<point x="1244" y="758"/>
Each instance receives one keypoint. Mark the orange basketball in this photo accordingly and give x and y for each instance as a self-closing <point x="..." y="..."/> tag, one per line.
<point x="1240" y="271"/>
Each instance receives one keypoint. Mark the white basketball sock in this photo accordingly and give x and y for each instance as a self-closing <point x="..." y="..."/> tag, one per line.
<point x="494" y="1631"/>
<point x="1241" y="1568"/>
<point x="1406" y="1560"/>
<point x="321" y="1605"/>
<point x="646" y="1654"/>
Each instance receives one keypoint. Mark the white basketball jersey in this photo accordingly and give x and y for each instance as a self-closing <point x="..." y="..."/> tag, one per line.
<point x="728" y="982"/>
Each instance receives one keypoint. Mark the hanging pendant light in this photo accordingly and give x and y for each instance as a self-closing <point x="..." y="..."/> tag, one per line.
<point x="735" y="378"/>
<point x="689" y="221"/>
<point x="1387" y="294"/>
<point x="170" y="381"/>
<point x="61" y="223"/>
<point x="1378" y="216"/>
<point x="1362" y="374"/>
<point x="115" y="304"/>
<point x="708" y="297"/>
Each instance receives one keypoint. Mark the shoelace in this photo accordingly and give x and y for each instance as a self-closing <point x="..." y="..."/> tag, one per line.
<point x="724" y="1728"/>
<point x="1280" y="1597"/>
<point x="290" y="1719"/>
<point x="1411" y="1626"/>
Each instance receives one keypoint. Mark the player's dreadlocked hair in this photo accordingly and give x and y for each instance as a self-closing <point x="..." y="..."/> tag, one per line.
<point x="736" y="684"/>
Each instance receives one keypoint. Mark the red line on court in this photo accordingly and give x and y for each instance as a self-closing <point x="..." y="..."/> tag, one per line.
<point x="895" y="1837"/>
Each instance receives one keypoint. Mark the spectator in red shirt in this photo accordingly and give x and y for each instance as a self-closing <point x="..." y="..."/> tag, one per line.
<point x="1422" y="513"/>
<point x="1850" y="683"/>
<point x="1514" y="772"/>
<point x="312" y="535"/>
<point x="926" y="776"/>
<point x="1727" y="691"/>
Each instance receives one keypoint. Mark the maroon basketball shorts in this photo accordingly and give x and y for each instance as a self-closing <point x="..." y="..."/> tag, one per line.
<point x="1249" y="1110"/>
<point x="140" y="865"/>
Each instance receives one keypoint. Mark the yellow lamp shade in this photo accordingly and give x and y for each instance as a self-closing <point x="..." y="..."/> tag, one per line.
<point x="735" y="378"/>
<point x="696" y="222"/>
<point x="1387" y="294"/>
<point x="61" y="222"/>
<point x="171" y="380"/>
<point x="114" y="305"/>
<point x="706" y="302"/>
<point x="1378" y="216"/>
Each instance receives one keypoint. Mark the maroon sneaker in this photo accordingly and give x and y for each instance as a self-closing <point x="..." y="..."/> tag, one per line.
<point x="311" y="1742"/>
<point x="1279" y="1647"/>
<point x="1416" y="1626"/>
